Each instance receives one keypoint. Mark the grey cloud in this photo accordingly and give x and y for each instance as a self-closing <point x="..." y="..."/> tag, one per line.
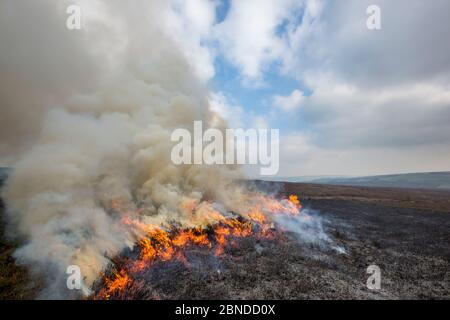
<point x="360" y="121"/>
<point x="397" y="78"/>
<point x="410" y="47"/>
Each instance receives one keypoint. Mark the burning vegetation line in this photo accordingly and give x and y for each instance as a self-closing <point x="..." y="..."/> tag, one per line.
<point x="161" y="244"/>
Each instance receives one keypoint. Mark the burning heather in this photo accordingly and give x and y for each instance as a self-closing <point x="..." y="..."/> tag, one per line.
<point x="215" y="232"/>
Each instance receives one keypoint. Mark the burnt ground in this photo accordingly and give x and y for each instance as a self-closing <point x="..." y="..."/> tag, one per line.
<point x="403" y="231"/>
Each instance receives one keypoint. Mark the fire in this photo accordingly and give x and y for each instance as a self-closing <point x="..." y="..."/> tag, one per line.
<point x="119" y="283"/>
<point x="217" y="231"/>
<point x="194" y="236"/>
<point x="148" y="251"/>
<point x="294" y="199"/>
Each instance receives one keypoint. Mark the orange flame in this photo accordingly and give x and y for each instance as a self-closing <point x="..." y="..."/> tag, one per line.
<point x="294" y="199"/>
<point x="161" y="244"/>
<point x="119" y="283"/>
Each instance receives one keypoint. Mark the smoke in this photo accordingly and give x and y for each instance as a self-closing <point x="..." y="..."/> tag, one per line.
<point x="87" y="117"/>
<point x="308" y="228"/>
<point x="41" y="64"/>
<point x="94" y="111"/>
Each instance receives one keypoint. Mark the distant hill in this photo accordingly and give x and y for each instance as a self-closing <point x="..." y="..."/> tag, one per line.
<point x="304" y="179"/>
<point x="428" y="180"/>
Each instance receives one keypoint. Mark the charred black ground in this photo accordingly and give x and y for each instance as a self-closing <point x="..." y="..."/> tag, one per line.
<point x="405" y="232"/>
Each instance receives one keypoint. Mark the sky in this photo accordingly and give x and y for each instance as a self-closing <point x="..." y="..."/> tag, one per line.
<point x="347" y="100"/>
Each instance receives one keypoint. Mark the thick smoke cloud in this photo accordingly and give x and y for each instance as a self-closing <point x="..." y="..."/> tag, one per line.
<point x="41" y="63"/>
<point x="98" y="107"/>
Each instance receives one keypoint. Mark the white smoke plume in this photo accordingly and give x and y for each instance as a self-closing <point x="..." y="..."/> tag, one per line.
<point x="308" y="228"/>
<point x="104" y="105"/>
<point x="87" y="117"/>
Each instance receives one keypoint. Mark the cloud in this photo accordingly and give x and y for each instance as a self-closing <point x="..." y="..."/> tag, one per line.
<point x="248" y="36"/>
<point x="372" y="92"/>
<point x="406" y="50"/>
<point x="345" y="116"/>
<point x="221" y="105"/>
<point x="369" y="92"/>
<point x="190" y="24"/>
<point x="290" y="102"/>
<point x="300" y="156"/>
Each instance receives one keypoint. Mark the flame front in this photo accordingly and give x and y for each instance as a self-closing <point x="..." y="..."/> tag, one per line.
<point x="169" y="243"/>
